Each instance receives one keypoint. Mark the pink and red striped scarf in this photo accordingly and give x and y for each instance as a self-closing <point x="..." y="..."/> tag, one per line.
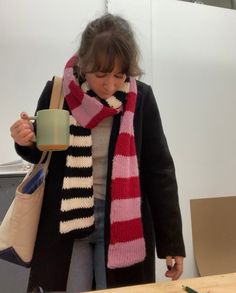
<point x="127" y="245"/>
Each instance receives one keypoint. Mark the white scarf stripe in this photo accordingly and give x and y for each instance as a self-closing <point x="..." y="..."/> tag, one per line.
<point x="125" y="87"/>
<point x="76" y="203"/>
<point x="77" y="182"/>
<point x="80" y="141"/>
<point x="73" y="121"/>
<point x="79" y="162"/>
<point x="114" y="102"/>
<point x="85" y="86"/>
<point x="79" y="223"/>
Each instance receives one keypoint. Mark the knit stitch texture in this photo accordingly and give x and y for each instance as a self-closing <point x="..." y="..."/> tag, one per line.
<point x="127" y="245"/>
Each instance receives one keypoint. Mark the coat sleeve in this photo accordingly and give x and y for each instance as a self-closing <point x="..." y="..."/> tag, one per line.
<point x="159" y="181"/>
<point x="33" y="154"/>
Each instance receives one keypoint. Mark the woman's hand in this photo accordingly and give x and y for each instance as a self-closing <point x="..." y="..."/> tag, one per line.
<point x="22" y="131"/>
<point x="175" y="265"/>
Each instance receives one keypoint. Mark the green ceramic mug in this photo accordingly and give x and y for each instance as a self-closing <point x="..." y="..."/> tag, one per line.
<point x="52" y="129"/>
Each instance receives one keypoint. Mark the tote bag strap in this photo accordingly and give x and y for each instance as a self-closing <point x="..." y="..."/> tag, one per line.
<point x="57" y="97"/>
<point x="56" y="102"/>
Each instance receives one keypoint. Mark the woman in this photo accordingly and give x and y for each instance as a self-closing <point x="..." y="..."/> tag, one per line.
<point x="111" y="198"/>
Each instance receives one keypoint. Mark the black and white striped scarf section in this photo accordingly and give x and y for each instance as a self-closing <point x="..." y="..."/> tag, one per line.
<point x="77" y="199"/>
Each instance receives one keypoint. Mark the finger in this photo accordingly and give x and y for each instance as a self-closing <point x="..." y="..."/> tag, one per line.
<point x="27" y="140"/>
<point x="19" y="129"/>
<point x="173" y="274"/>
<point x="178" y="270"/>
<point x="23" y="136"/>
<point x="15" y="125"/>
<point x="179" y="259"/>
<point x="24" y="115"/>
<point x="169" y="262"/>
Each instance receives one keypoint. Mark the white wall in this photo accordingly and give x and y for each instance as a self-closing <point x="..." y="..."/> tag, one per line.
<point x="37" y="38"/>
<point x="192" y="60"/>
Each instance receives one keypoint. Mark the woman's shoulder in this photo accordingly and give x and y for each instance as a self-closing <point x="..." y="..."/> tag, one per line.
<point x="44" y="99"/>
<point x="142" y="86"/>
<point x="145" y="92"/>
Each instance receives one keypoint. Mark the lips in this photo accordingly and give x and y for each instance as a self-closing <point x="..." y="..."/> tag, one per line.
<point x="106" y="94"/>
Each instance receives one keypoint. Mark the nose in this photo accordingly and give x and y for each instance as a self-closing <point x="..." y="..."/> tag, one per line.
<point x="109" y="84"/>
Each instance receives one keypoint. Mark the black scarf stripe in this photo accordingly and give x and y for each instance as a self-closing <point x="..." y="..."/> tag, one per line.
<point x="77" y="192"/>
<point x="79" y="233"/>
<point x="91" y="93"/>
<point x="84" y="172"/>
<point x="121" y="96"/>
<point x="79" y="152"/>
<point x="76" y="214"/>
<point x="78" y="130"/>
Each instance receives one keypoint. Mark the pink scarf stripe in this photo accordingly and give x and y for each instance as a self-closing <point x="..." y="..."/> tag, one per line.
<point x="133" y="86"/>
<point x="126" y="188"/>
<point x="82" y="115"/>
<point x="126" y="254"/>
<point x="126" y="126"/>
<point x="126" y="231"/>
<point x="125" y="209"/>
<point x="125" y="167"/>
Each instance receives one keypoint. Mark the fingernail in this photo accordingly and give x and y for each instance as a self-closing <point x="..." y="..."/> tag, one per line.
<point x="169" y="267"/>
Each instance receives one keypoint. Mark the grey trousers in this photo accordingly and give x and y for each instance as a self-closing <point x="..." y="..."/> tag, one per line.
<point x="88" y="258"/>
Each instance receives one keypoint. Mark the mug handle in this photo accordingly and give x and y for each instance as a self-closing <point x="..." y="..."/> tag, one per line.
<point x="33" y="118"/>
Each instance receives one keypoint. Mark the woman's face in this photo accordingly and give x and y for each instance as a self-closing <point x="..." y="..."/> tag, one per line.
<point x="105" y="84"/>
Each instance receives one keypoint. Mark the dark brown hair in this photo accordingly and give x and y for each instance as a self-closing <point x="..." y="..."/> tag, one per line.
<point x="103" y="41"/>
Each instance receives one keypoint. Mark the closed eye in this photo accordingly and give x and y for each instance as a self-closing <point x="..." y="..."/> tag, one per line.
<point x="100" y="74"/>
<point x="120" y="75"/>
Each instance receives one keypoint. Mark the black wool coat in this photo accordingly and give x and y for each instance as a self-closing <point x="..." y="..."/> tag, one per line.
<point x="160" y="205"/>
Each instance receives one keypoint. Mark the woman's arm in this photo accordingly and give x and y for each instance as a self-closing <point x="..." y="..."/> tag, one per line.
<point x="159" y="181"/>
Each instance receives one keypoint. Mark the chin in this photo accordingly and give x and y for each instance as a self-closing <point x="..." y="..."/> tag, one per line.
<point x="104" y="97"/>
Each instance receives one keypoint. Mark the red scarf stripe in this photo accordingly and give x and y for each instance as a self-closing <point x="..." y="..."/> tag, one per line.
<point x="125" y="145"/>
<point x="78" y="92"/>
<point x="104" y="113"/>
<point x="126" y="231"/>
<point x="72" y="101"/>
<point x="72" y="61"/>
<point x="131" y="97"/>
<point x="125" y="188"/>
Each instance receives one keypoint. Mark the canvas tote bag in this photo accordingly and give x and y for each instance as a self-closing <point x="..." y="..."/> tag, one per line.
<point x="18" y="229"/>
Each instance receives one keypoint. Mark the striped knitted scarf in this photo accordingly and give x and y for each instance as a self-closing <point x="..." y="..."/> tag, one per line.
<point x="127" y="245"/>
